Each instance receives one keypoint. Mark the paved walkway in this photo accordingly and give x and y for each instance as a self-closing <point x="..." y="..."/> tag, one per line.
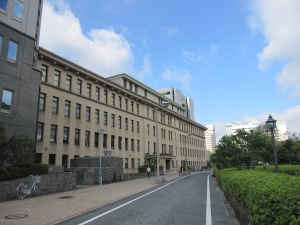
<point x="54" y="208"/>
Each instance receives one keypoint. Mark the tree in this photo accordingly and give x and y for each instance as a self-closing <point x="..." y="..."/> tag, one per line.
<point x="150" y="159"/>
<point x="242" y="150"/>
<point x="20" y="150"/>
<point x="2" y="143"/>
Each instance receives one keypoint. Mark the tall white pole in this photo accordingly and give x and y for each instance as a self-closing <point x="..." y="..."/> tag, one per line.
<point x="100" y="158"/>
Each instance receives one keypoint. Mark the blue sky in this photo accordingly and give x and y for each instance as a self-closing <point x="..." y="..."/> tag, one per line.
<point x="238" y="60"/>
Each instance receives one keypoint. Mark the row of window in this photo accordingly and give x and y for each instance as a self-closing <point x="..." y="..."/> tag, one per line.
<point x="87" y="138"/>
<point x="128" y="105"/>
<point x="18" y="8"/>
<point x="12" y="52"/>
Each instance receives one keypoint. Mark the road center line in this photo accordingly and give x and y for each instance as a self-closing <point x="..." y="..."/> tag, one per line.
<point x="103" y="214"/>
<point x="208" y="206"/>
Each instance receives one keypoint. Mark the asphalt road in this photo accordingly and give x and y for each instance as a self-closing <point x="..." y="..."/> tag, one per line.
<point x="183" y="201"/>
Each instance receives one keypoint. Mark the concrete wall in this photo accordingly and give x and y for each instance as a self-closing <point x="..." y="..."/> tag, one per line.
<point x="50" y="183"/>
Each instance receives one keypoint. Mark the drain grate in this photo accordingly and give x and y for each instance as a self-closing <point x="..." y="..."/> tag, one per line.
<point x="16" y="216"/>
<point x="66" y="197"/>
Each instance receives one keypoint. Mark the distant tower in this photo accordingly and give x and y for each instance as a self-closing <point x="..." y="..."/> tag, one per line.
<point x="210" y="138"/>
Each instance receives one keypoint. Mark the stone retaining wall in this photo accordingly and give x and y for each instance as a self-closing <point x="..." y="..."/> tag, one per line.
<point x="50" y="183"/>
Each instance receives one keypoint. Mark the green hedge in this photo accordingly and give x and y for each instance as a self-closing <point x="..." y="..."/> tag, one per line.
<point x="271" y="198"/>
<point x="11" y="173"/>
<point x="293" y="170"/>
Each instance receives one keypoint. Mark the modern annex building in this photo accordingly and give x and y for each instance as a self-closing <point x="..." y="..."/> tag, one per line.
<point x="231" y="128"/>
<point x="75" y="103"/>
<point x="176" y="96"/>
<point x="19" y="78"/>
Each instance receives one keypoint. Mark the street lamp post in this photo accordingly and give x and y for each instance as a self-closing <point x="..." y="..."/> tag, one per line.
<point x="100" y="166"/>
<point x="186" y="136"/>
<point x="165" y="104"/>
<point x="272" y="124"/>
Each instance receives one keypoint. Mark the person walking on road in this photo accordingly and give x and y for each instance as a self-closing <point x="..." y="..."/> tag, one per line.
<point x="148" y="171"/>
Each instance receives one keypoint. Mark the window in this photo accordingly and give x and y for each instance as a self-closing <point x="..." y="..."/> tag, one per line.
<point x="42" y="101"/>
<point x="119" y="122"/>
<point x="79" y="83"/>
<point x="3" y="4"/>
<point x="132" y="122"/>
<point x="125" y="83"/>
<point x="96" y="139"/>
<point x="138" y="163"/>
<point x="126" y="163"/>
<point x="12" y="51"/>
<point x="67" y="108"/>
<point x="131" y="106"/>
<point x="132" y="144"/>
<point x="18" y="10"/>
<point x="39" y="131"/>
<point x="78" y="111"/>
<point x="87" y="138"/>
<point x="145" y="93"/>
<point x="55" y="105"/>
<point x="112" y="142"/>
<point x="112" y="120"/>
<point x="132" y="163"/>
<point x="53" y="133"/>
<point x="104" y="140"/>
<point x="120" y="102"/>
<point x="130" y="86"/>
<point x="56" y="78"/>
<point x="120" y="143"/>
<point x="88" y="90"/>
<point x="97" y="93"/>
<point x="153" y="114"/>
<point x="66" y="135"/>
<point x="105" y="96"/>
<point x="136" y="89"/>
<point x="88" y="113"/>
<point x="153" y="130"/>
<point x="148" y="130"/>
<point x="147" y="112"/>
<point x="126" y="143"/>
<point x="52" y="159"/>
<point x="137" y="109"/>
<point x="126" y="123"/>
<point x="126" y="104"/>
<point x="64" y="160"/>
<point x="77" y="136"/>
<point x="68" y="82"/>
<point x="105" y="118"/>
<point x="96" y="116"/>
<point x="44" y="70"/>
<point x="138" y="145"/>
<point x="6" y="101"/>
<point x="113" y="99"/>
<point x="138" y="127"/>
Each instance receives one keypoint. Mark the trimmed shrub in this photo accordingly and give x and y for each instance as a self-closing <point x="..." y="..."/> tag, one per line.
<point x="270" y="197"/>
<point x="11" y="172"/>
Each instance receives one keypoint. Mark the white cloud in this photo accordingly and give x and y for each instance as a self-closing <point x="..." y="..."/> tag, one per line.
<point x="192" y="56"/>
<point x="279" y="22"/>
<point x="145" y="71"/>
<point x="101" y="51"/>
<point x="171" y="31"/>
<point x="180" y="75"/>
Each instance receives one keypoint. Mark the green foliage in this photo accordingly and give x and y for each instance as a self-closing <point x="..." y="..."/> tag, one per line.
<point x="2" y="142"/>
<point x="20" y="150"/>
<point x="11" y="173"/>
<point x="242" y="150"/>
<point x="293" y="170"/>
<point x="150" y="159"/>
<point x="271" y="198"/>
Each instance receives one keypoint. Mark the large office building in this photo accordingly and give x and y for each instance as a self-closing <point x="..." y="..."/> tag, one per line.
<point x="231" y="128"/>
<point x="75" y="103"/>
<point x="19" y="77"/>
<point x="210" y="138"/>
<point x="281" y="133"/>
<point x="177" y="96"/>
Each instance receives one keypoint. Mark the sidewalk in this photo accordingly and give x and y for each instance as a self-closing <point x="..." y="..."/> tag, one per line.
<point x="55" y="208"/>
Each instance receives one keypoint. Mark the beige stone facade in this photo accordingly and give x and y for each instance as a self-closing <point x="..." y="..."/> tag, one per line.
<point x="75" y="103"/>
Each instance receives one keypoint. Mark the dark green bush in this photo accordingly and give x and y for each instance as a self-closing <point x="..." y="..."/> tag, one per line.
<point x="271" y="198"/>
<point x="293" y="170"/>
<point x="11" y="172"/>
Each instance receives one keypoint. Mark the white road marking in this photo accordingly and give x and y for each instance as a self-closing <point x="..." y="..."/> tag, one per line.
<point x="208" y="206"/>
<point x="103" y="214"/>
